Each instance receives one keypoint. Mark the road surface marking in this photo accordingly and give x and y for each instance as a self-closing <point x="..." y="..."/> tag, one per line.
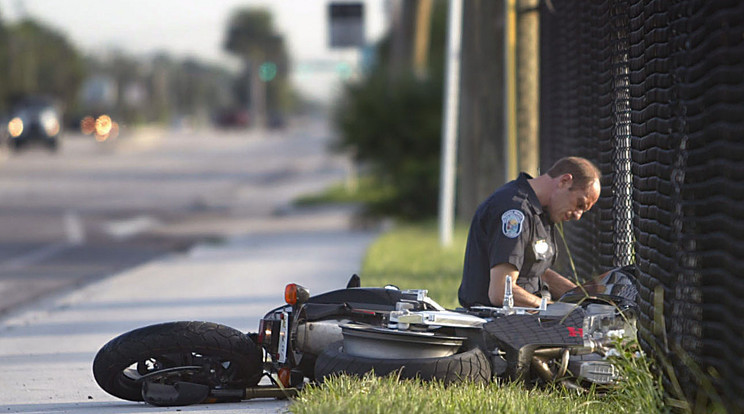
<point x="124" y="229"/>
<point x="74" y="229"/>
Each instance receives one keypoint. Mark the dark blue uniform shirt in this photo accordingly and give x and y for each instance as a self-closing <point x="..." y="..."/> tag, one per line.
<point x="510" y="226"/>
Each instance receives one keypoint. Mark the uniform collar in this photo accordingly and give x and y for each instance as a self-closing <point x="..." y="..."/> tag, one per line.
<point x="534" y="202"/>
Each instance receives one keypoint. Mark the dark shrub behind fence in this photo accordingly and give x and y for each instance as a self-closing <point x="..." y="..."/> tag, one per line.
<point x="653" y="92"/>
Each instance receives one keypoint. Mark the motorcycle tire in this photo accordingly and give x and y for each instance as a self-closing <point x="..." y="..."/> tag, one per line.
<point x="240" y="357"/>
<point x="471" y="365"/>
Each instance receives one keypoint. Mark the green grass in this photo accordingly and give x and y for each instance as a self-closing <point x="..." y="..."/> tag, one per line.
<point x="389" y="395"/>
<point x="355" y="190"/>
<point x="410" y="257"/>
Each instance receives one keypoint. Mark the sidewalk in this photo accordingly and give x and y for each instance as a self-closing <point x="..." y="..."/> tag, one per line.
<point x="46" y="350"/>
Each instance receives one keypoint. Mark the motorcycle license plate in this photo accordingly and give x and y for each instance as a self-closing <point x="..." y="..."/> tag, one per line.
<point x="283" y="337"/>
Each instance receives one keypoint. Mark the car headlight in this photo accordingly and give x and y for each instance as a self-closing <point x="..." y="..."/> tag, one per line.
<point x="103" y="125"/>
<point x="15" y="127"/>
<point x="49" y="122"/>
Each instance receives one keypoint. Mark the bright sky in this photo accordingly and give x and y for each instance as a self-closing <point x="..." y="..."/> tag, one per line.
<point x="197" y="28"/>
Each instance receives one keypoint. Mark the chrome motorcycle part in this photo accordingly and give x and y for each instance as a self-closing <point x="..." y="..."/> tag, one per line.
<point x="376" y="342"/>
<point x="435" y="318"/>
<point x="598" y="372"/>
<point x="283" y="337"/>
<point x="314" y="337"/>
<point x="422" y="296"/>
<point x="543" y="358"/>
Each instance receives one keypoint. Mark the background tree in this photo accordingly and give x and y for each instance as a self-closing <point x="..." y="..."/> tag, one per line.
<point x="37" y="60"/>
<point x="41" y="61"/>
<point x="158" y="89"/>
<point x="251" y="36"/>
<point x="4" y="64"/>
<point x="391" y="120"/>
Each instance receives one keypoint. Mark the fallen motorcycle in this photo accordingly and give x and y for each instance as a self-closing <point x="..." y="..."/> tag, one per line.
<point x="358" y="330"/>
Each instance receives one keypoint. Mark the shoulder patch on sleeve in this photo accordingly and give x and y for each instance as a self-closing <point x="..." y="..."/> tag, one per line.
<point x="511" y="223"/>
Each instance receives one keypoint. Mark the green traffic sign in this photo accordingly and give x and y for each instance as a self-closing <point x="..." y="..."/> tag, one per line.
<point x="267" y="71"/>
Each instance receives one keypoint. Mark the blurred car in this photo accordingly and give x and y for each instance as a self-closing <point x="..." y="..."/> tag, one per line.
<point x="232" y="118"/>
<point x="276" y="120"/>
<point x="34" y="121"/>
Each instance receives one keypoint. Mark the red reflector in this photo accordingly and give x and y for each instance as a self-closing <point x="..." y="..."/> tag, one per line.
<point x="261" y="332"/>
<point x="284" y="376"/>
<point x="366" y="312"/>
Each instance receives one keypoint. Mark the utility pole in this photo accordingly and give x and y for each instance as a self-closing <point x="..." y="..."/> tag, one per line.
<point x="257" y="87"/>
<point x="449" y="128"/>
<point x="421" y="41"/>
<point x="511" y="168"/>
<point x="528" y="86"/>
<point x="404" y="16"/>
<point x="481" y="127"/>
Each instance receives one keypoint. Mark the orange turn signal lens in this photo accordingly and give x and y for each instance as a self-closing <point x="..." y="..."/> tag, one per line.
<point x="295" y="294"/>
<point x="290" y="294"/>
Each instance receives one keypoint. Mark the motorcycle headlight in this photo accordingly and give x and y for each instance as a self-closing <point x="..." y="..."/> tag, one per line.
<point x="269" y="332"/>
<point x="15" y="127"/>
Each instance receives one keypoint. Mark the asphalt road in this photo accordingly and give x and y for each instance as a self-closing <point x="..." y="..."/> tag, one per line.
<point x="47" y="350"/>
<point x="94" y="209"/>
<point x="100" y="239"/>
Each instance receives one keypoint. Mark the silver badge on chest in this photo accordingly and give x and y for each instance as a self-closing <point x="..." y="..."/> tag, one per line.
<point x="542" y="249"/>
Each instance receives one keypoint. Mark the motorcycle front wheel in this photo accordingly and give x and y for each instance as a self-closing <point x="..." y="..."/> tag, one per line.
<point x="220" y="356"/>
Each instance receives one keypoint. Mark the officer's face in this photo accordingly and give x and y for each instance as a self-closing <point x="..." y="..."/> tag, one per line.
<point x="569" y="202"/>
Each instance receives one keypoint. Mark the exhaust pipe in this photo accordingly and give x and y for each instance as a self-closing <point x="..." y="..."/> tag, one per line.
<point x="540" y="364"/>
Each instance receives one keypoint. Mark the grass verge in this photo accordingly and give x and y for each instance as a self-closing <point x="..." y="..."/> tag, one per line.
<point x="410" y="257"/>
<point x="389" y="395"/>
<point x="364" y="190"/>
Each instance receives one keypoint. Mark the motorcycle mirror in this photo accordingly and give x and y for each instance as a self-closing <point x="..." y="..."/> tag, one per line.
<point x="354" y="282"/>
<point x="295" y="294"/>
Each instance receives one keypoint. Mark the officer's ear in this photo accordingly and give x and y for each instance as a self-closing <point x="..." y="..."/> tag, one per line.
<point x="565" y="180"/>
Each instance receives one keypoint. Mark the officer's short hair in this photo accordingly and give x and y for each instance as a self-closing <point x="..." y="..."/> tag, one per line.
<point x="584" y="172"/>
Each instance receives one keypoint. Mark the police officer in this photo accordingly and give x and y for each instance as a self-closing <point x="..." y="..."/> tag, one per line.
<point x="513" y="233"/>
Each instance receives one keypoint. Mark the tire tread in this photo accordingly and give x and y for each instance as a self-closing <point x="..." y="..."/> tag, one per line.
<point x="172" y="337"/>
<point x="470" y="365"/>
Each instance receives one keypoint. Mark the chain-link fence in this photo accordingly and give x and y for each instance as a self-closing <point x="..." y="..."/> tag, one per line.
<point x="653" y="92"/>
<point x="584" y="111"/>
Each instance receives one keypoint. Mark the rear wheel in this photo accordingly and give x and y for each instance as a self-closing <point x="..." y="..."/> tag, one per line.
<point x="471" y="365"/>
<point x="219" y="356"/>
